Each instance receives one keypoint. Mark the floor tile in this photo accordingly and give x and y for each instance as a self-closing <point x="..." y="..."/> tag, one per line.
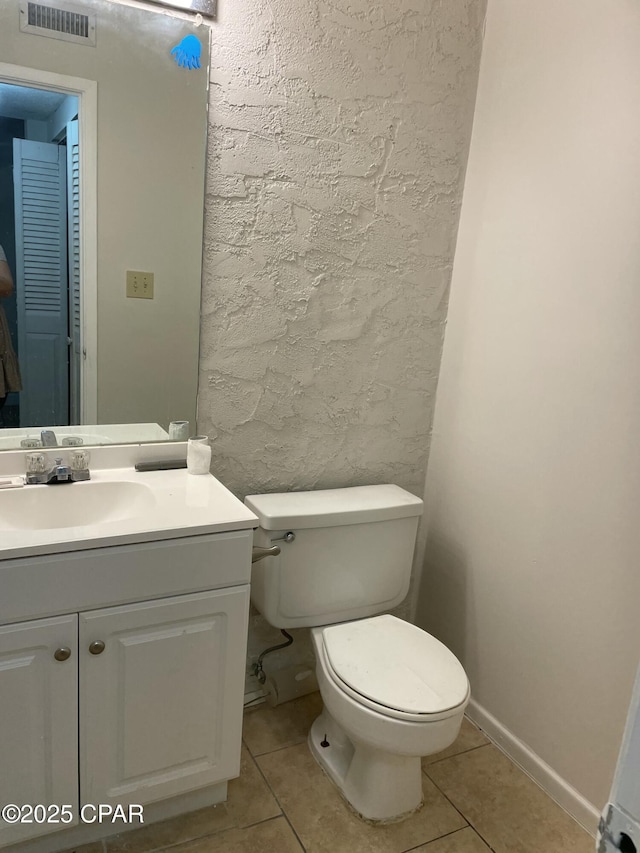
<point x="325" y="824"/>
<point x="267" y="728"/>
<point x="470" y="737"/>
<point x="272" y="836"/>
<point x="249" y="801"/>
<point x="505" y="806"/>
<point x="462" y="841"/>
<point x="156" y="836"/>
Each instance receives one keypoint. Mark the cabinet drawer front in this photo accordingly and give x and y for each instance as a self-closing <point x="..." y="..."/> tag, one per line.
<point x="39" y="720"/>
<point x="163" y="685"/>
<point x="83" y="580"/>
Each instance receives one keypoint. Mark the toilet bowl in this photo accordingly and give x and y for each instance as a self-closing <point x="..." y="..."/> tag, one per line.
<point x="392" y="693"/>
<point x="378" y="721"/>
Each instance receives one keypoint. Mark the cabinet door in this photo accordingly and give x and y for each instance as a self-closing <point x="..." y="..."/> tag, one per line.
<point x="161" y="710"/>
<point x="38" y="720"/>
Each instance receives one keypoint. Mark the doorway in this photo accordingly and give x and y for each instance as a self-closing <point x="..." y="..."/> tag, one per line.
<point x="40" y="205"/>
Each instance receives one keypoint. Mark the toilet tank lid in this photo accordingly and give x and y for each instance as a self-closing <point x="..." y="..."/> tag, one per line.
<point x="330" y="507"/>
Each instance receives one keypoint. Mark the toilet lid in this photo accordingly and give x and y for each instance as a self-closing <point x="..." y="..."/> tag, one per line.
<point x="396" y="664"/>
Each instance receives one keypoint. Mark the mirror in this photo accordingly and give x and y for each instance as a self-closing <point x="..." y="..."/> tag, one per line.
<point x="106" y="327"/>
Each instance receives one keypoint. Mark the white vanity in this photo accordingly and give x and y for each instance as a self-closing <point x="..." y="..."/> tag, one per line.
<point x="122" y="647"/>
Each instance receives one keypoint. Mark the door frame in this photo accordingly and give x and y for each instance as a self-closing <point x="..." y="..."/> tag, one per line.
<point x="87" y="93"/>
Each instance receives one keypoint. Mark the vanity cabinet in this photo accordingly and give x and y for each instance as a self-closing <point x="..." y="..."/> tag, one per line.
<point x="161" y="709"/>
<point x="39" y="720"/>
<point x="129" y="703"/>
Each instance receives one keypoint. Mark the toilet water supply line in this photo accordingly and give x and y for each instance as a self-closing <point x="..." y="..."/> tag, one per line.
<point x="257" y="667"/>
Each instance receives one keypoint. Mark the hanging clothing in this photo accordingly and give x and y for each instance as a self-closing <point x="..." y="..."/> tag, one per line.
<point x="10" y="379"/>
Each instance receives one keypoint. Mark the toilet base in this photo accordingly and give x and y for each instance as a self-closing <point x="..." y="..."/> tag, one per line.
<point x="379" y="786"/>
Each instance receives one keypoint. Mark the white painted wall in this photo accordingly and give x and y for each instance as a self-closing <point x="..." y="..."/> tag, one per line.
<point x="531" y="573"/>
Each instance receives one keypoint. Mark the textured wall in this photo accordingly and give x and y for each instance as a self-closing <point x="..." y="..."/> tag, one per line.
<point x="338" y="140"/>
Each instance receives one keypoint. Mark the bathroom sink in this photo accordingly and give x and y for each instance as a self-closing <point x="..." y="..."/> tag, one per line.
<point x="73" y="505"/>
<point x="117" y="506"/>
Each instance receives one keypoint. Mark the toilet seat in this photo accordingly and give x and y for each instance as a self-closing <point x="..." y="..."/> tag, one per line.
<point x="395" y="668"/>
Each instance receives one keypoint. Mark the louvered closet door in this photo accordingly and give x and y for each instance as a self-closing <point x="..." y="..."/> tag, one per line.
<point x="39" y="173"/>
<point x="75" y="319"/>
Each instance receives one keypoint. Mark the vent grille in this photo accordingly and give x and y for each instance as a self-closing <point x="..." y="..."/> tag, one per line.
<point x="60" y="21"/>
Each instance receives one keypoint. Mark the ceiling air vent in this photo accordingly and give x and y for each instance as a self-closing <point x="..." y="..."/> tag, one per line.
<point x="58" y="21"/>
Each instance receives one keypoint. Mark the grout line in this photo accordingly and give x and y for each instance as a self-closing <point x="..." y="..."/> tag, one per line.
<point x="455" y="755"/>
<point x="286" y="817"/>
<point x="264" y="779"/>
<point x="277" y="748"/>
<point x="280" y="806"/>
<point x="258" y="822"/>
<point x="460" y="812"/>
<point x="424" y="844"/>
<point x="208" y="835"/>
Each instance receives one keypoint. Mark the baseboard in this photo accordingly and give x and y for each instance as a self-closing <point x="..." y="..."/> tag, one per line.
<point x="580" y="809"/>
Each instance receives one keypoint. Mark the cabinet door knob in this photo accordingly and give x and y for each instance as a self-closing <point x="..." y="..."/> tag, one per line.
<point x="62" y="654"/>
<point x="97" y="647"/>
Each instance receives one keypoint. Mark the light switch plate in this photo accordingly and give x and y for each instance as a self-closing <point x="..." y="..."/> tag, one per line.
<point x="139" y="284"/>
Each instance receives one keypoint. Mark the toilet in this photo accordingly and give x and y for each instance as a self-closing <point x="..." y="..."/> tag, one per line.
<point x="391" y="692"/>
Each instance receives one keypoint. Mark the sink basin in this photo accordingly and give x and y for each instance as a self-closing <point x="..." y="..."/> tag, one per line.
<point x="73" y="505"/>
<point x="117" y="506"/>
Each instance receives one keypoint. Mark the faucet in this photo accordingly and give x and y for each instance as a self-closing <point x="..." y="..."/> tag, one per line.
<point x="60" y="472"/>
<point x="48" y="437"/>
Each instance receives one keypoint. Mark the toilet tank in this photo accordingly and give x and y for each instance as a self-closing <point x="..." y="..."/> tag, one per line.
<point x="350" y="556"/>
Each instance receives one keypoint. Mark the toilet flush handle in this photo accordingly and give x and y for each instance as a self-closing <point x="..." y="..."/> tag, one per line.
<point x="258" y="553"/>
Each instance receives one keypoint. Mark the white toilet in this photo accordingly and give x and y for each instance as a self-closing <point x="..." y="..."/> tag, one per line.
<point x="391" y="692"/>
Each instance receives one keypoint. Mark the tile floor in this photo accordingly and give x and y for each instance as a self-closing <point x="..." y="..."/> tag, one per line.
<point x="476" y="801"/>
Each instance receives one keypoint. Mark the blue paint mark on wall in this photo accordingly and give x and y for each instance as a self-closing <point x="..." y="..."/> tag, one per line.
<point x="187" y="53"/>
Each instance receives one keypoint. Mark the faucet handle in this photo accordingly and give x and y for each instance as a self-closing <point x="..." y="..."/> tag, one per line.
<point x="80" y="460"/>
<point x="36" y="463"/>
<point x="80" y="465"/>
